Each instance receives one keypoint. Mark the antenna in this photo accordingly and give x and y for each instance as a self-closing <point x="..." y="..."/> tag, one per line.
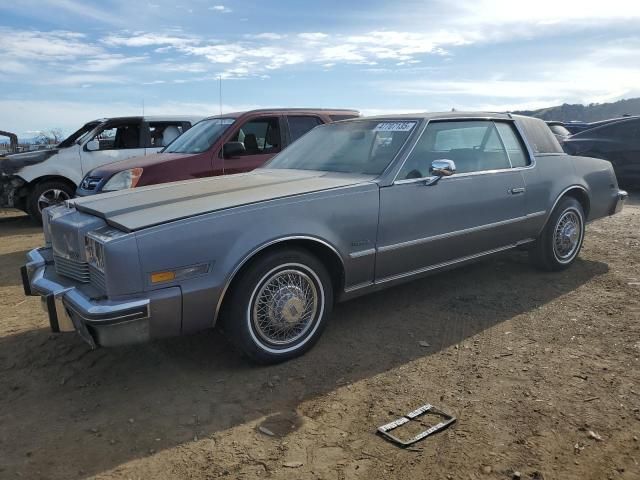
<point x="220" y="93"/>
<point x="143" y="106"/>
<point x="220" y="101"/>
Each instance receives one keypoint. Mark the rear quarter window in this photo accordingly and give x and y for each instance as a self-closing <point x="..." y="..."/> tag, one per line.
<point x="539" y="136"/>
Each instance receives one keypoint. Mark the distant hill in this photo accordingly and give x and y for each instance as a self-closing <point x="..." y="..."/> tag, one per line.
<point x="586" y="113"/>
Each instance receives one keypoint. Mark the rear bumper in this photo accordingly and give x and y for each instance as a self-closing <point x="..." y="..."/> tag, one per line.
<point x="100" y="321"/>
<point x="620" y="199"/>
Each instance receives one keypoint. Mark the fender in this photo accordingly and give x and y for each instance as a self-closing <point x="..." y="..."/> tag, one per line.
<point x="260" y="248"/>
<point x="559" y="197"/>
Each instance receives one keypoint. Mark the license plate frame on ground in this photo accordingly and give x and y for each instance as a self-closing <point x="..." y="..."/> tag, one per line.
<point x="385" y="430"/>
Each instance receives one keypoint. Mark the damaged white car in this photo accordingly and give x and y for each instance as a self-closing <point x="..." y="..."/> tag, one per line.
<point x="32" y="181"/>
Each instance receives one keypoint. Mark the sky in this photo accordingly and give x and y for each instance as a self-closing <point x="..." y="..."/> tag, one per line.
<point x="65" y="62"/>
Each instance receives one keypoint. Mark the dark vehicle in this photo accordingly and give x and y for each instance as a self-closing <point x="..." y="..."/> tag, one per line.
<point x="576" y="126"/>
<point x="558" y="129"/>
<point x="350" y="208"/>
<point x="617" y="141"/>
<point x="220" y="145"/>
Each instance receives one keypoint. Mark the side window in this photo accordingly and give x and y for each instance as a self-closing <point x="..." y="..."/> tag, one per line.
<point x="162" y="134"/>
<point x="474" y="146"/>
<point x="259" y="136"/>
<point x="346" y="116"/>
<point x="513" y="144"/>
<point x="120" y="136"/>
<point x="299" y="125"/>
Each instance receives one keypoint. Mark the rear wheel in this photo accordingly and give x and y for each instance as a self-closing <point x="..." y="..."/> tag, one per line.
<point x="561" y="240"/>
<point x="279" y="306"/>
<point x="46" y="194"/>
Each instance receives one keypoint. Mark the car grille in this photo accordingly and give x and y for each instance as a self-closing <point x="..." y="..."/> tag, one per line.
<point x="90" y="183"/>
<point x="97" y="279"/>
<point x="75" y="269"/>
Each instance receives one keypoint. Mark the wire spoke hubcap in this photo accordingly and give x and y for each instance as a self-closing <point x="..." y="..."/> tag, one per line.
<point x="285" y="307"/>
<point x="51" y="197"/>
<point x="566" y="237"/>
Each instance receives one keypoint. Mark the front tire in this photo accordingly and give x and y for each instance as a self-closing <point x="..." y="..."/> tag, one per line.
<point x="279" y="306"/>
<point x="46" y="194"/>
<point x="561" y="240"/>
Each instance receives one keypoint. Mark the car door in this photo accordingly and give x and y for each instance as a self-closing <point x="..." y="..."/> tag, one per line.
<point x="477" y="210"/>
<point x="115" y="141"/>
<point x="261" y="138"/>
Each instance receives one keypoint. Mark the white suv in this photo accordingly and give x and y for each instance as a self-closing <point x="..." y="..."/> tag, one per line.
<point x="31" y="181"/>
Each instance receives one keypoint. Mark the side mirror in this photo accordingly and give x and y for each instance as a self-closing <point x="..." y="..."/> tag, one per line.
<point x="440" y="168"/>
<point x="233" y="149"/>
<point x="443" y="168"/>
<point x="93" y="145"/>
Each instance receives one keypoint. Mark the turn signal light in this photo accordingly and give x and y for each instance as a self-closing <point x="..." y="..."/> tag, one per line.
<point x="162" y="277"/>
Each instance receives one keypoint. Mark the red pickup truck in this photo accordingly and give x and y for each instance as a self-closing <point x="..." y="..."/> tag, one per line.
<point x="220" y="145"/>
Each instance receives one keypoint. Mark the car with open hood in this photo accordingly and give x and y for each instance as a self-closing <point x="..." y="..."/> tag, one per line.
<point x="350" y="208"/>
<point x="31" y="181"/>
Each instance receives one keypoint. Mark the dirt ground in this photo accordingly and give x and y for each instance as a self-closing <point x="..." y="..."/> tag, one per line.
<point x="541" y="371"/>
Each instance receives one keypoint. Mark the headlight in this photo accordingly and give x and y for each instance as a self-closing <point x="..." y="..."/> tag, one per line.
<point x="123" y="180"/>
<point x="49" y="214"/>
<point x="94" y="243"/>
<point x="95" y="252"/>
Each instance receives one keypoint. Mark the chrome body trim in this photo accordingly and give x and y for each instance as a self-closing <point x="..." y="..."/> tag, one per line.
<point x="448" y="263"/>
<point x="257" y="250"/>
<point x="442" y="236"/>
<point x="362" y="253"/>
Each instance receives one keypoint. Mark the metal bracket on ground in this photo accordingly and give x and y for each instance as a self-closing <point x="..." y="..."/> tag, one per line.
<point x="385" y="430"/>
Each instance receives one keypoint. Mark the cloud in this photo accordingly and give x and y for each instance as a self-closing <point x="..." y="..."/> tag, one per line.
<point x="107" y="62"/>
<point x="38" y="46"/>
<point x="220" y="8"/>
<point x="313" y="36"/>
<point x="589" y="79"/>
<point x="265" y="36"/>
<point x="141" y="39"/>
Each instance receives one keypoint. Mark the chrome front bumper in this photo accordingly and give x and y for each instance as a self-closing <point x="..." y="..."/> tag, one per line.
<point x="98" y="321"/>
<point x="621" y="198"/>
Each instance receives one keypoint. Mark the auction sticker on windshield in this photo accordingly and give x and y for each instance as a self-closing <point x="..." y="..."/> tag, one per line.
<point x="394" y="126"/>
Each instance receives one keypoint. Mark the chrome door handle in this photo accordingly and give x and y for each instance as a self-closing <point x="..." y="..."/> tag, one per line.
<point x="515" y="191"/>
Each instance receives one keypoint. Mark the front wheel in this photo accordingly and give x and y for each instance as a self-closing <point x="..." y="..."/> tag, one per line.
<point x="46" y="194"/>
<point x="279" y="306"/>
<point x="561" y="240"/>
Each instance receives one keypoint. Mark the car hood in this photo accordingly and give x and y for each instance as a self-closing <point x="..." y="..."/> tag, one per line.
<point x="13" y="163"/>
<point x="138" y="208"/>
<point x="142" y="161"/>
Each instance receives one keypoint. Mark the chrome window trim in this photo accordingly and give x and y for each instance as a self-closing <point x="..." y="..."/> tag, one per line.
<point x="441" y="236"/>
<point x="532" y="159"/>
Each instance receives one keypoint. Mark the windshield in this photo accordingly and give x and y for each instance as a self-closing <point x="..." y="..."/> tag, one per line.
<point x="200" y="137"/>
<point x="67" y="142"/>
<point x="365" y="147"/>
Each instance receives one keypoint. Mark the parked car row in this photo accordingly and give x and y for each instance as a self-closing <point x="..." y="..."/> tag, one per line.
<point x="350" y="208"/>
<point x="32" y="181"/>
<point x="616" y="140"/>
<point x="118" y="153"/>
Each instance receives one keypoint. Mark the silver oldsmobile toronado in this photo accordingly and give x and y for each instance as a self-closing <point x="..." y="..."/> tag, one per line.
<point x="349" y="208"/>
